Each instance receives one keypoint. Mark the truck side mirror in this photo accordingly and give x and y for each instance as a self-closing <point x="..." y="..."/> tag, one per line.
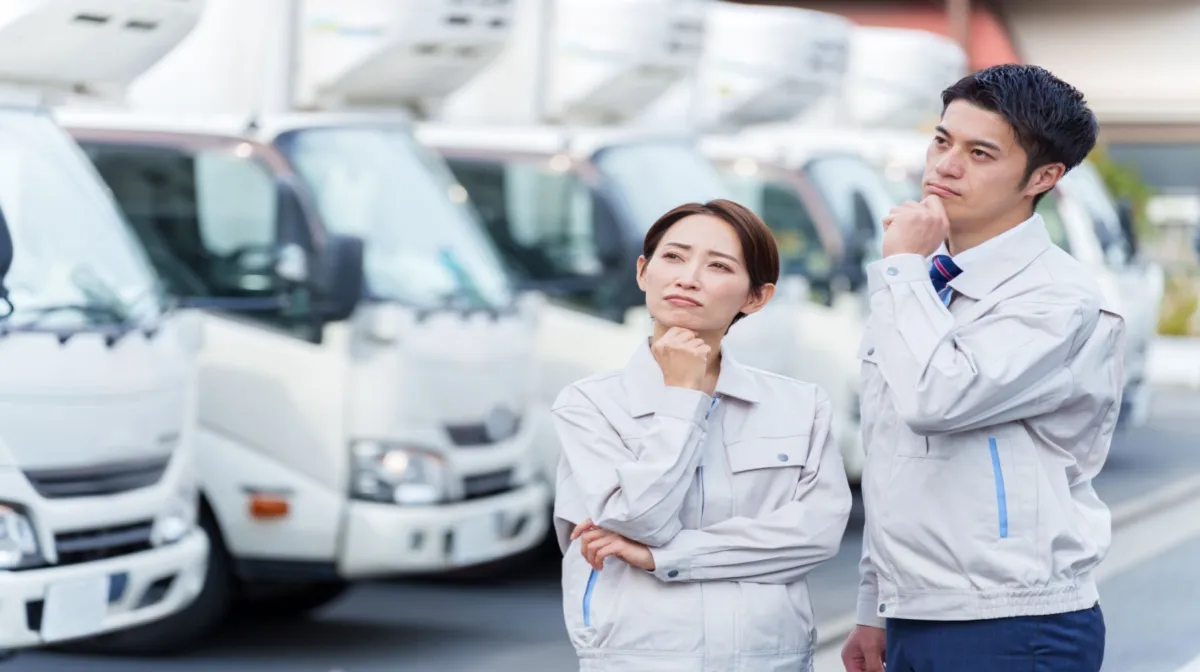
<point x="340" y="277"/>
<point x="6" y="257"/>
<point x="606" y="233"/>
<point x="1125" y="216"/>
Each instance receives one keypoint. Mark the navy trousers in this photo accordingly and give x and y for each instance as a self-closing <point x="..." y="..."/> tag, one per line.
<point x="1071" y="642"/>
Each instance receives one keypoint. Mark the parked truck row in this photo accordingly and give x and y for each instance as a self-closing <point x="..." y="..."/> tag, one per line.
<point x="294" y="282"/>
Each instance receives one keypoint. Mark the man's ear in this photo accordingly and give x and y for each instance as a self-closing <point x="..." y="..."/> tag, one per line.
<point x="1044" y="178"/>
<point x="641" y="268"/>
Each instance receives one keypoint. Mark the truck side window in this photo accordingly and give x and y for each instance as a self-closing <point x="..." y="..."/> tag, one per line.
<point x="801" y="250"/>
<point x="207" y="219"/>
<point x="541" y="219"/>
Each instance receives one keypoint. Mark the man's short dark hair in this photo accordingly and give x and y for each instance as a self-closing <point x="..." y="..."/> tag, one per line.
<point x="1050" y="118"/>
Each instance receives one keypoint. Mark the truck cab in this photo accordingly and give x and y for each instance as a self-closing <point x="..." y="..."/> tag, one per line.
<point x="98" y="483"/>
<point x="366" y="384"/>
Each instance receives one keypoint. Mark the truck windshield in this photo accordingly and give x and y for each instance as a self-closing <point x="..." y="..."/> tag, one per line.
<point x="76" y="264"/>
<point x="651" y="178"/>
<point x="425" y="247"/>
<point x="841" y="179"/>
<point x="779" y="204"/>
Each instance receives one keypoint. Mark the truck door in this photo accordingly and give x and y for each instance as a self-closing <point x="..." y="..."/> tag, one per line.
<point x="233" y="242"/>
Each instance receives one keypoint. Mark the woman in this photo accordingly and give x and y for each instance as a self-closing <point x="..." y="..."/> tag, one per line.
<point x="696" y="494"/>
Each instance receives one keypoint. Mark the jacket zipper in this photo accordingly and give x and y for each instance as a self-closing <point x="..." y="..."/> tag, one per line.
<point x="587" y="598"/>
<point x="1001" y="496"/>
<point x="700" y="469"/>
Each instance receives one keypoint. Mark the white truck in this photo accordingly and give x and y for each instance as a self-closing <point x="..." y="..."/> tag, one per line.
<point x="384" y="432"/>
<point x="97" y="400"/>
<point x="548" y="148"/>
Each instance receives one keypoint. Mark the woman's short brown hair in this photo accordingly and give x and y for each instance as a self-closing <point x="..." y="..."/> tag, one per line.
<point x="759" y="249"/>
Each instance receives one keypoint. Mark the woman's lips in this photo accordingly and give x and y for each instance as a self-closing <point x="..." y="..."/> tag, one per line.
<point x="682" y="301"/>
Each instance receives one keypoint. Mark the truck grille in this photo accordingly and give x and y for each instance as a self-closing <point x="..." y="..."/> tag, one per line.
<point x="483" y="485"/>
<point x="102" y="542"/>
<point x="105" y="479"/>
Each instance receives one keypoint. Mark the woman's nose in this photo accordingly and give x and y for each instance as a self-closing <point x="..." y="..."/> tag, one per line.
<point x="689" y="278"/>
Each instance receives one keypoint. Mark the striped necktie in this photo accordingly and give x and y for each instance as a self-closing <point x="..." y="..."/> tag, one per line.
<point x="942" y="271"/>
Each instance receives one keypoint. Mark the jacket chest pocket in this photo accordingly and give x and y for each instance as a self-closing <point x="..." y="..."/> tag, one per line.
<point x="766" y="471"/>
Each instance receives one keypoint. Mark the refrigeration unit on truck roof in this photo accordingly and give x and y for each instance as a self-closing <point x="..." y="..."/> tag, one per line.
<point x="88" y="46"/>
<point x="384" y="52"/>
<point x="281" y="56"/>
<point x="897" y="75"/>
<point x="585" y="62"/>
<point x="760" y="64"/>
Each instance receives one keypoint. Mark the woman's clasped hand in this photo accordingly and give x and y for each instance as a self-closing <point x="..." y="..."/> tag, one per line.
<point x="598" y="543"/>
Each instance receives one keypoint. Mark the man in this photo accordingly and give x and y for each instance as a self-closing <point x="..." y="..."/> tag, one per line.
<point x="991" y="383"/>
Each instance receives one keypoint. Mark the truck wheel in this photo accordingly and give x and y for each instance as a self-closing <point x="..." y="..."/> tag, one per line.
<point x="186" y="628"/>
<point x="291" y="601"/>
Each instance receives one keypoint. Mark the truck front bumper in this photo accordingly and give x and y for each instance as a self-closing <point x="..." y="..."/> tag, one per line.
<point x="54" y="604"/>
<point x="388" y="539"/>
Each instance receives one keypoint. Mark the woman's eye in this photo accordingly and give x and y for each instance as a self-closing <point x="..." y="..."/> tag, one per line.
<point x="670" y="255"/>
<point x="723" y="267"/>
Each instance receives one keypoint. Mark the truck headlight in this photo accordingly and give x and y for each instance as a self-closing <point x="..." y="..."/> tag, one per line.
<point x="386" y="473"/>
<point x="18" y="544"/>
<point x="177" y="518"/>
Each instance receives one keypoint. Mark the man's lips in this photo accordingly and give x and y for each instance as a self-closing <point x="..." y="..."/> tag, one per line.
<point x="677" y="300"/>
<point x="940" y="190"/>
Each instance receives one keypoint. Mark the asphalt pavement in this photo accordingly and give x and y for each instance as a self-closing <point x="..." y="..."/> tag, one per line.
<point x="1149" y="590"/>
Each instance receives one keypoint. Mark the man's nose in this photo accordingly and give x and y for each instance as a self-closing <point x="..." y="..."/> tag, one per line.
<point x="949" y="165"/>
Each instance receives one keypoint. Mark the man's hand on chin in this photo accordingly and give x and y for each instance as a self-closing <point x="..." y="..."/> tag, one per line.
<point x="915" y="228"/>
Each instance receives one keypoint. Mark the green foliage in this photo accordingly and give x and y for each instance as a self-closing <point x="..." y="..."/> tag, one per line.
<point x="1179" y="306"/>
<point x="1125" y="181"/>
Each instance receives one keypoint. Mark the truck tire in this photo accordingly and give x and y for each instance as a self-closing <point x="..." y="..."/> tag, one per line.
<point x="187" y="628"/>
<point x="291" y="601"/>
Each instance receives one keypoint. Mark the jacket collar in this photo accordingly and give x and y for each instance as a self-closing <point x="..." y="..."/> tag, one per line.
<point x="644" y="380"/>
<point x="1008" y="257"/>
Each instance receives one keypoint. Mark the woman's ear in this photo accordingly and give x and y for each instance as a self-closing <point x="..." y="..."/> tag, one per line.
<point x="758" y="299"/>
<point x="641" y="272"/>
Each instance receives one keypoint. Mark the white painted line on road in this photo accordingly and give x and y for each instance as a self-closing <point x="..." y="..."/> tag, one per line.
<point x="1130" y="512"/>
<point x="1193" y="666"/>
<point x="1123" y="555"/>
<point x="1150" y="537"/>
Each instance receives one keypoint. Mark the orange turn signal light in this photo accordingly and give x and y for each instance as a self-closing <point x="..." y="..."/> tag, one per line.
<point x="265" y="506"/>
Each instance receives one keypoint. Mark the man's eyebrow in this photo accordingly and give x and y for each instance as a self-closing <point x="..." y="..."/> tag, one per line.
<point x="978" y="143"/>
<point x="714" y="253"/>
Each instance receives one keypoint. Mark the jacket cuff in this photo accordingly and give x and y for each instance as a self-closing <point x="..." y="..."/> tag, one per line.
<point x="867" y="612"/>
<point x="898" y="269"/>
<point x="684" y="404"/>
<point x="669" y="565"/>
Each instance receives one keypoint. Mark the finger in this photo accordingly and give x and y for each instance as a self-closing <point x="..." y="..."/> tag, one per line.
<point x="874" y="662"/>
<point x="607" y="548"/>
<point x="680" y="334"/>
<point x="594" y="542"/>
<point x="853" y="660"/>
<point x="603" y="549"/>
<point x="581" y="528"/>
<point x="934" y="203"/>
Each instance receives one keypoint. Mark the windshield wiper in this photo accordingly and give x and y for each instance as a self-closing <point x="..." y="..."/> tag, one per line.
<point x="468" y="292"/>
<point x="101" y="302"/>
